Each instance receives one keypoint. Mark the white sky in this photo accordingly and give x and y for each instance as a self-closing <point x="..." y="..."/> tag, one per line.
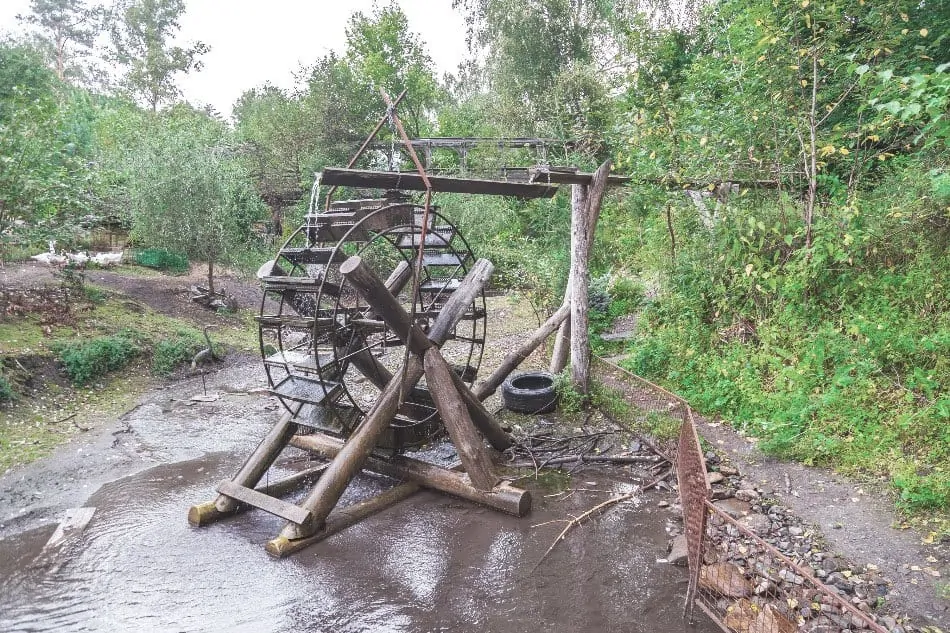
<point x="256" y="41"/>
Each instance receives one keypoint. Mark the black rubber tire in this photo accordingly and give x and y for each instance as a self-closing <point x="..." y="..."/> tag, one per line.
<point x="530" y="392"/>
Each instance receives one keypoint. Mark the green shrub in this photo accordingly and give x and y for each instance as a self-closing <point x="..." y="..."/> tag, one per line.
<point x="87" y="361"/>
<point x="162" y="260"/>
<point x="7" y="392"/>
<point x="570" y="400"/>
<point x="169" y="354"/>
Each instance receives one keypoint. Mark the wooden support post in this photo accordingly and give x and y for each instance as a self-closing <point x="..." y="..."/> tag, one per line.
<point x="562" y="344"/>
<point x="515" y="357"/>
<point x="206" y="513"/>
<point x="253" y="469"/>
<point x="503" y="497"/>
<point x="457" y="421"/>
<point x="330" y="486"/>
<point x="341" y="519"/>
<point x="583" y="222"/>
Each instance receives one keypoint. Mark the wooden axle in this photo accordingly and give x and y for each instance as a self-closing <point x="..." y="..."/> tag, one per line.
<point x="503" y="497"/>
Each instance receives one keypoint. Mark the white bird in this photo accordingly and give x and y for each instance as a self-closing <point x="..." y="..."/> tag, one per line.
<point x="107" y="259"/>
<point x="79" y="258"/>
<point x="50" y="259"/>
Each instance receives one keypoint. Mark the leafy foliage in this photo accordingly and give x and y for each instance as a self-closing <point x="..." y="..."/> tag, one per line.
<point x="87" y="361"/>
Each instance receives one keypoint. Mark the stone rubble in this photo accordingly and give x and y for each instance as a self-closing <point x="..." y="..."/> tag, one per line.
<point x="754" y="591"/>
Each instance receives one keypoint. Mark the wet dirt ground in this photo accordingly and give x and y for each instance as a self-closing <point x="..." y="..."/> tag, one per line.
<point x="431" y="563"/>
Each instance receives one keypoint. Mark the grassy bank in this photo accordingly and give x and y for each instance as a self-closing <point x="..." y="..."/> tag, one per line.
<point x="72" y="358"/>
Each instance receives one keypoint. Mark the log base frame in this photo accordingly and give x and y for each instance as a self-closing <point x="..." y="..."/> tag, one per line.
<point x="470" y="427"/>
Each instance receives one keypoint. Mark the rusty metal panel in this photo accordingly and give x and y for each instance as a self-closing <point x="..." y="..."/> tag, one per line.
<point x="694" y="492"/>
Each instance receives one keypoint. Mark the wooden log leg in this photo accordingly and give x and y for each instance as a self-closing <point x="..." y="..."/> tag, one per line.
<point x="252" y="470"/>
<point x="349" y="461"/>
<point x="341" y="519"/>
<point x="457" y="421"/>
<point x="485" y="421"/>
<point x="503" y="497"/>
<point x="205" y="513"/>
<point x="562" y="347"/>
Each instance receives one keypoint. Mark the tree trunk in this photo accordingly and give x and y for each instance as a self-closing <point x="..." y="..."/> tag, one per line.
<point x="583" y="222"/>
<point x="211" y="277"/>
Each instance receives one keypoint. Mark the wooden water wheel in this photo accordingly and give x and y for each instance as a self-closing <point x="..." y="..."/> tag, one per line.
<point x="326" y="353"/>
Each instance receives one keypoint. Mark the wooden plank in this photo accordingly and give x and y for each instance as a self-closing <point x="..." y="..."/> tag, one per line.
<point x="569" y="176"/>
<point x="514" y="358"/>
<point x="73" y="523"/>
<point x="267" y="503"/>
<point x="440" y="184"/>
<point x="343" y="518"/>
<point x="206" y="513"/>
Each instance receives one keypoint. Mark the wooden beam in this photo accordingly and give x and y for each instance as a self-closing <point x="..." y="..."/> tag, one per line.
<point x="582" y="228"/>
<point x="457" y="421"/>
<point x="515" y="357"/>
<point x="206" y="513"/>
<point x="341" y="519"/>
<point x="264" y="501"/>
<point x="408" y="181"/>
<point x="503" y="497"/>
<point x="569" y="176"/>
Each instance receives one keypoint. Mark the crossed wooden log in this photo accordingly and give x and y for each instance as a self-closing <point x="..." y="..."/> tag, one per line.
<point x="467" y="421"/>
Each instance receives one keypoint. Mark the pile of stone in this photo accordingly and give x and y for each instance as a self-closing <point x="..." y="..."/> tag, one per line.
<point x="753" y="590"/>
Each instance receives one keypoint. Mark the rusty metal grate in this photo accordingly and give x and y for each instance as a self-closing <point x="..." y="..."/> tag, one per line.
<point x="694" y="494"/>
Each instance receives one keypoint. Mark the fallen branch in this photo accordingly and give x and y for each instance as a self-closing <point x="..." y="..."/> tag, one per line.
<point x="574" y="522"/>
<point x="613" y="459"/>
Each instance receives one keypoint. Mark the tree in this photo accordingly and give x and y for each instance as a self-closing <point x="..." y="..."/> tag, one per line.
<point x="276" y="140"/>
<point x="141" y="39"/>
<point x="69" y="26"/>
<point x="190" y="193"/>
<point x="45" y="178"/>
<point x="384" y="53"/>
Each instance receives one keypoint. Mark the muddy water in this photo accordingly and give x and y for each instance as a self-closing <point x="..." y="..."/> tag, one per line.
<point x="431" y="563"/>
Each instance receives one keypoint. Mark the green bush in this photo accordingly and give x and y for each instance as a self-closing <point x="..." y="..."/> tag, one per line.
<point x="162" y="260"/>
<point x="87" y="361"/>
<point x="169" y="354"/>
<point x="7" y="392"/>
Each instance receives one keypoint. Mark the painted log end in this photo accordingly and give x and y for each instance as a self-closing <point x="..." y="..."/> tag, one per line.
<point x="204" y="514"/>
